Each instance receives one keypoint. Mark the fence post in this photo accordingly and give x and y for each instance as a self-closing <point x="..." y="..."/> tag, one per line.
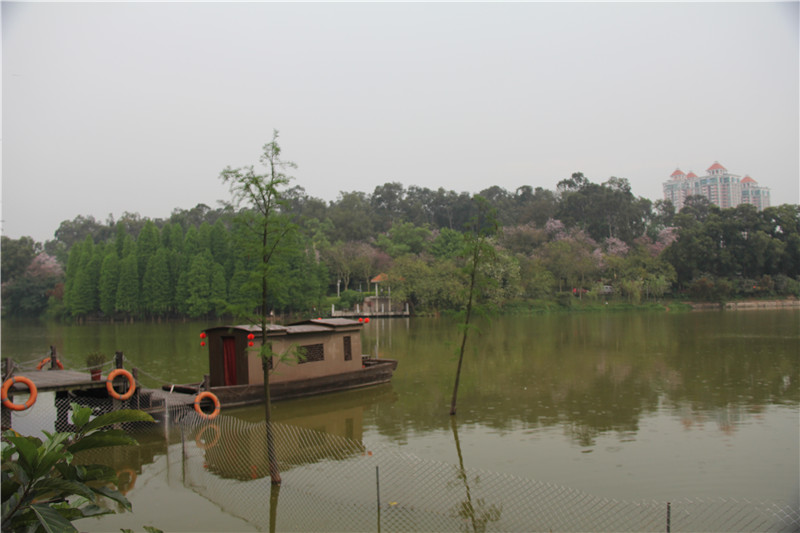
<point x="53" y="364"/>
<point x="668" y="517"/>
<point x="378" y="492"/>
<point x="118" y="357"/>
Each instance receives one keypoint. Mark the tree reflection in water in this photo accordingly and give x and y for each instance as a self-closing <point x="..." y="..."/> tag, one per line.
<point x="475" y="513"/>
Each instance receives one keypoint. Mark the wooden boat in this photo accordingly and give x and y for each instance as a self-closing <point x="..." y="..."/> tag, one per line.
<point x="330" y="360"/>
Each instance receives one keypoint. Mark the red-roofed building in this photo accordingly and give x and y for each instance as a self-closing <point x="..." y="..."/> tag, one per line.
<point x="718" y="185"/>
<point x="716" y="168"/>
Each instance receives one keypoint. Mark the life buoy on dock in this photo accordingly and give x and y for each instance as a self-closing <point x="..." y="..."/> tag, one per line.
<point x="15" y="406"/>
<point x="47" y="360"/>
<point x="110" y="384"/>
<point x="200" y="397"/>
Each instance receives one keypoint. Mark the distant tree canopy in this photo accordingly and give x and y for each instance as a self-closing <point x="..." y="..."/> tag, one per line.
<point x="598" y="239"/>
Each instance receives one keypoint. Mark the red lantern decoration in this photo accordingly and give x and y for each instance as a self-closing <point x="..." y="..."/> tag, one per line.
<point x="360" y="319"/>
<point x="202" y="343"/>
<point x="366" y="320"/>
<point x="251" y="337"/>
<point x="203" y="335"/>
<point x="251" y="343"/>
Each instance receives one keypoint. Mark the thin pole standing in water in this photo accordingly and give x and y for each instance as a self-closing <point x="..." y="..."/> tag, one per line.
<point x="378" y="491"/>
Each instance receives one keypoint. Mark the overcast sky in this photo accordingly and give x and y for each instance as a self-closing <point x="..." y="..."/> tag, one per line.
<point x="137" y="107"/>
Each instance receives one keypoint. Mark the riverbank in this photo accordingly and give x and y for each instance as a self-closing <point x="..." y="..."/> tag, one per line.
<point x="789" y="303"/>
<point x="671" y="306"/>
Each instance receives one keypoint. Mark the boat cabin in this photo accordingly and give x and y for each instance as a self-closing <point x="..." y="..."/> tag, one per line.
<point x="329" y="347"/>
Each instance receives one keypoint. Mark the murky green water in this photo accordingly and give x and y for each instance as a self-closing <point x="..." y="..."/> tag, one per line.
<point x="628" y="406"/>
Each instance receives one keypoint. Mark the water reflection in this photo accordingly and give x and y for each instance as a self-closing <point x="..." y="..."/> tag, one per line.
<point x="682" y="399"/>
<point x="594" y="374"/>
<point x="476" y="515"/>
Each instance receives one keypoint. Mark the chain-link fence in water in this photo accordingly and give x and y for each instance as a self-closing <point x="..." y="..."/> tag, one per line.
<point x="331" y="483"/>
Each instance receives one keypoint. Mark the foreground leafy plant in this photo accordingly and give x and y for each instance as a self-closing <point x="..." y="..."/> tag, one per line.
<point x="44" y="490"/>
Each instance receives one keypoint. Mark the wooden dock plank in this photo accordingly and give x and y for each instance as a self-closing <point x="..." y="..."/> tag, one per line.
<point x="58" y="380"/>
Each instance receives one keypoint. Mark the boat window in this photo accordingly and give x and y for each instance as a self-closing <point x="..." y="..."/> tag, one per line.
<point x="313" y="352"/>
<point x="348" y="349"/>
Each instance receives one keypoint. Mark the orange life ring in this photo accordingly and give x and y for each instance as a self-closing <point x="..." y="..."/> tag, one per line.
<point x="47" y="360"/>
<point x="15" y="406"/>
<point x="110" y="384"/>
<point x="200" y="397"/>
<point x="206" y="445"/>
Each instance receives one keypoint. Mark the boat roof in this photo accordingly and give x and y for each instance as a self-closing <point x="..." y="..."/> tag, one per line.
<point x="317" y="325"/>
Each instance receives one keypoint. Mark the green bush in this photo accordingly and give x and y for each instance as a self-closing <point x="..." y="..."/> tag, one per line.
<point x="43" y="489"/>
<point x="349" y="299"/>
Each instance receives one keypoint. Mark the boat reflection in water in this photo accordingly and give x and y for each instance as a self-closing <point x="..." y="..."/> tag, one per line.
<point x="235" y="445"/>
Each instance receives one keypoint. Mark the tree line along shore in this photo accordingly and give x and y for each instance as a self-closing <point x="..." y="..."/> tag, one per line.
<point x="583" y="244"/>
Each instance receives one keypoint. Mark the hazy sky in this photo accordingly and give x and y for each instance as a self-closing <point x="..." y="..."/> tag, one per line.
<point x="112" y="107"/>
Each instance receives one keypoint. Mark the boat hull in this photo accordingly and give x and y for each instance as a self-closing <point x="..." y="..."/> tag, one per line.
<point x="374" y="372"/>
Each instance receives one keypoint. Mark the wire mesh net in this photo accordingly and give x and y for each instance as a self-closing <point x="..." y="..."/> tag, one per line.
<point x="333" y="483"/>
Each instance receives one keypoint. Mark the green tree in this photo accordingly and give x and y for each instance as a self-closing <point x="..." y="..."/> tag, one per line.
<point x="128" y="296"/>
<point x="266" y="227"/>
<point x="478" y="250"/>
<point x="404" y="238"/>
<point x="156" y="299"/>
<point x="147" y="244"/>
<point x="28" y="294"/>
<point x="198" y="280"/>
<point x="109" y="279"/>
<point x="16" y="255"/>
<point x="83" y="296"/>
<point x="219" y="292"/>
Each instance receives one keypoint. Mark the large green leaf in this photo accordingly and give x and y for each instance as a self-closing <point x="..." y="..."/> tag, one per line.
<point x="51" y="520"/>
<point x="10" y="502"/>
<point x="102" y="440"/>
<point x="80" y="414"/>
<point x="27" y="447"/>
<point x="118" y="417"/>
<point x="46" y="462"/>
<point x="17" y="473"/>
<point x="60" y="487"/>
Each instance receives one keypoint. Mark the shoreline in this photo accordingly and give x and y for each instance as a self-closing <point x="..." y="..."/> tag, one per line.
<point x="789" y="303"/>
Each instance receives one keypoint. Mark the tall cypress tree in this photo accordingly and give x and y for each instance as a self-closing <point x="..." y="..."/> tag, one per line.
<point x="128" y="286"/>
<point x="198" y="281"/>
<point x="155" y="285"/>
<point x="147" y="245"/>
<point x="109" y="279"/>
<point x="83" y="295"/>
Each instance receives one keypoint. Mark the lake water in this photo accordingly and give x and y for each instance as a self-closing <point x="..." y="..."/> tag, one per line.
<point x="629" y="406"/>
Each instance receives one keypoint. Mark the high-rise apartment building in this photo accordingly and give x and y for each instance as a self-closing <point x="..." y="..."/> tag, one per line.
<point x="718" y="185"/>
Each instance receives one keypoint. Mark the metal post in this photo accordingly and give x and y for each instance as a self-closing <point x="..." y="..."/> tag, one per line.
<point x="118" y="357"/>
<point x="53" y="364"/>
<point x="668" y="517"/>
<point x="378" y="491"/>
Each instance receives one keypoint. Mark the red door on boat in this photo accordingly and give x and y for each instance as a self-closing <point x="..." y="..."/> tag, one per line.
<point x="229" y="353"/>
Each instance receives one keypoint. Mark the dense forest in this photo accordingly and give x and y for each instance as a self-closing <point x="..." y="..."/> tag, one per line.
<point x="582" y="241"/>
